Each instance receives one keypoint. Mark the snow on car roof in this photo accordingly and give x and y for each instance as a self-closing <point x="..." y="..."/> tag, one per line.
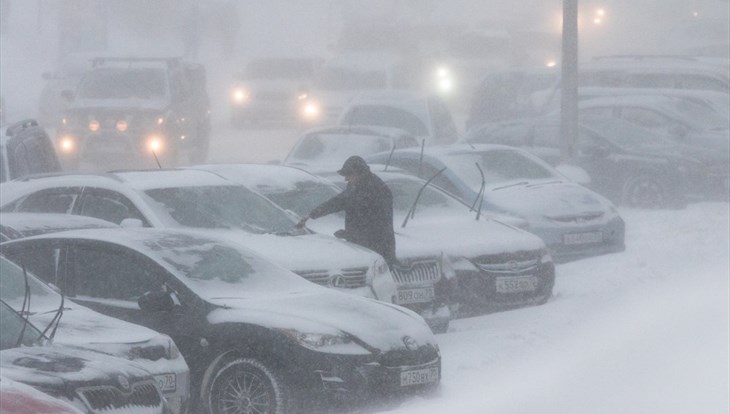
<point x="29" y="224"/>
<point x="257" y="176"/>
<point x="149" y="179"/>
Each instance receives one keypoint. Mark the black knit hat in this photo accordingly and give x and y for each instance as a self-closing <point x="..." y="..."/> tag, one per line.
<point x="354" y="166"/>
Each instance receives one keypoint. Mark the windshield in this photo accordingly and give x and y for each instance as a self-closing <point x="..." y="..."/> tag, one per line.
<point x="336" y="148"/>
<point x="405" y="192"/>
<point x="303" y="197"/>
<point x="622" y="133"/>
<point x="123" y="84"/>
<point x="12" y="289"/>
<point x="499" y="166"/>
<point x="336" y="79"/>
<point x="11" y="326"/>
<point x="222" y="207"/>
<point x="387" y="116"/>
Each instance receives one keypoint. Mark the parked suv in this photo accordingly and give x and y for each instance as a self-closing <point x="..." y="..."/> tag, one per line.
<point x="26" y="149"/>
<point x="129" y="112"/>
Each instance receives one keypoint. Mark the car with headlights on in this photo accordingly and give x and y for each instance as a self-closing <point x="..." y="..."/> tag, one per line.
<point x="271" y="89"/>
<point x="257" y="337"/>
<point x="135" y="112"/>
<point x="496" y="266"/>
<point x="323" y="150"/>
<point x="628" y="164"/>
<point x="83" y="328"/>
<point x="573" y="221"/>
<point x="204" y="200"/>
<point x="88" y="381"/>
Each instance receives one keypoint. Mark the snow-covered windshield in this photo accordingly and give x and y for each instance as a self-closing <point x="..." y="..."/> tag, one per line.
<point x="499" y="166"/>
<point x="117" y="83"/>
<point x="13" y="326"/>
<point x="338" y="147"/>
<point x="12" y="289"/>
<point x="221" y="207"/>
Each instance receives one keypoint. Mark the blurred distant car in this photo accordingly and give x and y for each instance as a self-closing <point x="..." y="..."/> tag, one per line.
<point x="423" y="116"/>
<point x="424" y="275"/>
<point x="271" y="89"/>
<point x="91" y="382"/>
<point x="632" y="166"/>
<point x="206" y="201"/>
<point x="81" y="327"/>
<point x="136" y="112"/>
<point x="66" y="76"/>
<point x="26" y="148"/>
<point x="257" y="337"/>
<point x="18" y="225"/>
<point x="18" y="398"/>
<point x="480" y="251"/>
<point x="573" y="221"/>
<point x="323" y="150"/>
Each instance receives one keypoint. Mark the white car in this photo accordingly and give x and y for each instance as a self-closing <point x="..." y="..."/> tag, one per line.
<point x="203" y="200"/>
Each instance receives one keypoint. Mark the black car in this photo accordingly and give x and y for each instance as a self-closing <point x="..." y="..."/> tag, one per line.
<point x="130" y="112"/>
<point x="26" y="149"/>
<point x="255" y="335"/>
<point x="90" y="381"/>
<point x="629" y="165"/>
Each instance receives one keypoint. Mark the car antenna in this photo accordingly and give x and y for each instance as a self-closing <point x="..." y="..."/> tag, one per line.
<point x="26" y="301"/>
<point x="420" y="158"/>
<point x="412" y="210"/>
<point x="156" y="159"/>
<point x="480" y="194"/>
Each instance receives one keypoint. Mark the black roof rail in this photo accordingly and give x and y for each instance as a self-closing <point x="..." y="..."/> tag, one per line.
<point x="21" y="125"/>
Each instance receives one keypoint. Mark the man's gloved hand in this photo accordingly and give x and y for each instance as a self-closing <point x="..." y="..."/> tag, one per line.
<point x="302" y="222"/>
<point x="341" y="234"/>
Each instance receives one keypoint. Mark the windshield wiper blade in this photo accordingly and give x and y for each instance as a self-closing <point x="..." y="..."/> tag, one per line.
<point x="26" y="301"/>
<point x="480" y="196"/>
<point x="412" y="210"/>
<point x="511" y="185"/>
<point x="545" y="183"/>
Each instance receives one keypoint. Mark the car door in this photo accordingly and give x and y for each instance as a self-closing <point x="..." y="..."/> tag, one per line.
<point x="107" y="205"/>
<point x="50" y="200"/>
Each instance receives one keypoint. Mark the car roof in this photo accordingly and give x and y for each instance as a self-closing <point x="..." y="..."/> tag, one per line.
<point x="30" y="224"/>
<point x="262" y="175"/>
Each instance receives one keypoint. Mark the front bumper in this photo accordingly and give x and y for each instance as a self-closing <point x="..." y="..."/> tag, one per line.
<point x="574" y="241"/>
<point x="111" y="149"/>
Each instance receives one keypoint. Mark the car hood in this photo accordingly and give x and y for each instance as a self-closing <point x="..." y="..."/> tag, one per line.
<point x="378" y="324"/>
<point x="116" y="105"/>
<point x="306" y="252"/>
<point x="57" y="366"/>
<point x="549" y="198"/>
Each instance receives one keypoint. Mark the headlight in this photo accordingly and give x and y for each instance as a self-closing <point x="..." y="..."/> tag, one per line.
<point x="122" y="125"/>
<point x="310" y="110"/>
<point x="94" y="125"/>
<point x="239" y="95"/>
<point x="155" y="143"/>
<point x="67" y="144"/>
<point x="322" y="342"/>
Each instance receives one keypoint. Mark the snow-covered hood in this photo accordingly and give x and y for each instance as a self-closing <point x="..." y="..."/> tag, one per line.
<point x="57" y="366"/>
<point x="548" y="198"/>
<point x="305" y="252"/>
<point x="378" y="324"/>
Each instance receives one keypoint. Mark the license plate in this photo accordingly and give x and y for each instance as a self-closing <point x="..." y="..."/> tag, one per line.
<point x="166" y="382"/>
<point x="418" y="295"/>
<point x="419" y="376"/>
<point x="516" y="284"/>
<point x="583" y="238"/>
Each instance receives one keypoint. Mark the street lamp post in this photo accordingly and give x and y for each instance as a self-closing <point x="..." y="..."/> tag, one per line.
<point x="569" y="74"/>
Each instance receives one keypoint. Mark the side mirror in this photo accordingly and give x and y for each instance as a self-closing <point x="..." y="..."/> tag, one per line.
<point x="157" y="301"/>
<point x="67" y="95"/>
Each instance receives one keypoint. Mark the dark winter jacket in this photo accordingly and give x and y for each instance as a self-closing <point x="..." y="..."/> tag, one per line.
<point x="368" y="206"/>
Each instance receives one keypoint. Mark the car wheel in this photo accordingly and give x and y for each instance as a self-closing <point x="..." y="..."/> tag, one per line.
<point x="245" y="386"/>
<point x="644" y="191"/>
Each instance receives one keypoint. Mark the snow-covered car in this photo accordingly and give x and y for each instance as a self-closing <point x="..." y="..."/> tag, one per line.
<point x="423" y="116"/>
<point x="17" y="225"/>
<point x="630" y="165"/>
<point x="271" y="89"/>
<point x="89" y="381"/>
<point x="424" y="275"/>
<point x="480" y="251"/>
<point x="18" y="398"/>
<point x="81" y="327"/>
<point x="257" y="337"/>
<point x="323" y="150"/>
<point x="135" y="112"/>
<point x="26" y="148"/>
<point x="204" y="200"/>
<point x="573" y="221"/>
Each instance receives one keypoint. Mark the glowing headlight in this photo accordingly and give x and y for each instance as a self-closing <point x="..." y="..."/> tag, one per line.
<point x="160" y="120"/>
<point x="445" y="85"/>
<point x="302" y="96"/>
<point x="551" y="63"/>
<point x="93" y="125"/>
<point x="154" y="143"/>
<point x="310" y="110"/>
<point x="67" y="144"/>
<point x="122" y="125"/>
<point x="442" y="73"/>
<point x="239" y="95"/>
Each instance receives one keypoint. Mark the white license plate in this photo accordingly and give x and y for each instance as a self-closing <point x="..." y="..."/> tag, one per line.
<point x="166" y="382"/>
<point x="419" y="376"/>
<point x="417" y="295"/>
<point x="516" y="284"/>
<point x="583" y="238"/>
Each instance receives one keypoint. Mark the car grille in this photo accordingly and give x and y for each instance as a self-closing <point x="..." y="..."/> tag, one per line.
<point x="349" y="278"/>
<point x="577" y="218"/>
<point x="508" y="263"/>
<point x="419" y="272"/>
<point x="143" y="397"/>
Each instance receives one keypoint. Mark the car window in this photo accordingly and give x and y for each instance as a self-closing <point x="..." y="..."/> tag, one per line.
<point x="386" y="116"/>
<point x="512" y="135"/>
<point x="13" y="284"/>
<point x="505" y="165"/>
<point x="405" y="192"/>
<point x="56" y="200"/>
<point x="107" y="205"/>
<point x="646" y="118"/>
<point x="111" y="272"/>
<point x="41" y="260"/>
<point x="426" y="171"/>
<point x="13" y="326"/>
<point x="700" y="82"/>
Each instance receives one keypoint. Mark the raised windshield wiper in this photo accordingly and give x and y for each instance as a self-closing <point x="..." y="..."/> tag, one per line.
<point x="26" y="301"/>
<point x="412" y="210"/>
<point x="480" y="194"/>
<point x="511" y="185"/>
<point x="56" y="319"/>
<point x="545" y="183"/>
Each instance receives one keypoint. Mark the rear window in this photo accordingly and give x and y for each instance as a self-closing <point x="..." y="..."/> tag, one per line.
<point x="386" y="116"/>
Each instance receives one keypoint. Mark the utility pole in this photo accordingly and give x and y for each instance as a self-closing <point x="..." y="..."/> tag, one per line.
<point x="569" y="75"/>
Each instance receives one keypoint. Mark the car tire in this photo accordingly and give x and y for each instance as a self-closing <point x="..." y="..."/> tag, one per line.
<point x="645" y="191"/>
<point x="245" y="385"/>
